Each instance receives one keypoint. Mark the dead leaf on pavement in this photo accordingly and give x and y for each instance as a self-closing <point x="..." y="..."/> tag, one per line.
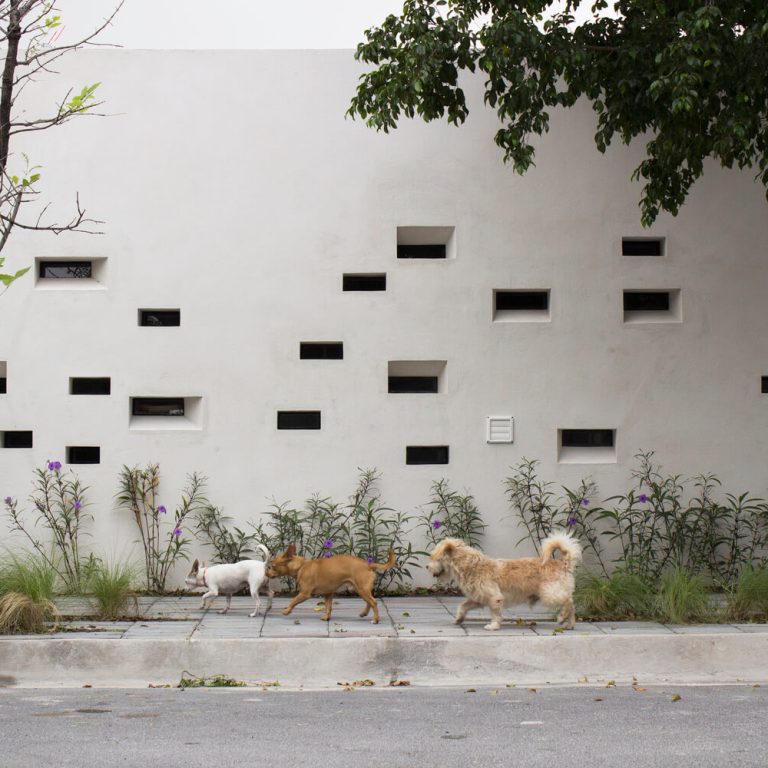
<point x="359" y="683"/>
<point x="397" y="683"/>
<point x="471" y="690"/>
<point x="676" y="697"/>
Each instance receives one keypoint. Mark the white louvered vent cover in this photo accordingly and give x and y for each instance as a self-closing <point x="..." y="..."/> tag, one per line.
<point x="500" y="429"/>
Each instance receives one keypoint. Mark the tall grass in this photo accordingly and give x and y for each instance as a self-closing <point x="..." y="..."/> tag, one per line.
<point x="27" y="585"/>
<point x="111" y="588"/>
<point x="620" y="596"/>
<point x="683" y="598"/>
<point x="749" y="599"/>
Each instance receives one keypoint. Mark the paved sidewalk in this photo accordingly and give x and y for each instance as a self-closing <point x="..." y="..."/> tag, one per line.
<point x="415" y="640"/>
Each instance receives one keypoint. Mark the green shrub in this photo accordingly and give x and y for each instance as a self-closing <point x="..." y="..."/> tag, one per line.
<point x="27" y="584"/>
<point x="451" y="515"/>
<point x="621" y="595"/>
<point x="682" y="598"/>
<point x="111" y="588"/>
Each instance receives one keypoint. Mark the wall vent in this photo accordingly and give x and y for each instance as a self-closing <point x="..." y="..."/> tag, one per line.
<point x="764" y="385"/>
<point x="527" y="305"/>
<point x="499" y="429"/>
<point x="157" y="406"/>
<point x="3" y="377"/>
<point x="159" y="414"/>
<point x="415" y="376"/>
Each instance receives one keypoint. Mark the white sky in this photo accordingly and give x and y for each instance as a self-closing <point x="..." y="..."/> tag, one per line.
<point x="228" y="23"/>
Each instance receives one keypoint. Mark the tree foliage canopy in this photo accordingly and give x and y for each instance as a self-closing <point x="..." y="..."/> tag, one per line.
<point x="689" y="77"/>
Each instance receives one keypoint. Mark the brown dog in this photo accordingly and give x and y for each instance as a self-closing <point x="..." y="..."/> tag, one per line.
<point x="326" y="575"/>
<point x="494" y="583"/>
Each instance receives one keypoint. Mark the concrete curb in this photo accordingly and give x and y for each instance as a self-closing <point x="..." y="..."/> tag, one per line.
<point x="321" y="663"/>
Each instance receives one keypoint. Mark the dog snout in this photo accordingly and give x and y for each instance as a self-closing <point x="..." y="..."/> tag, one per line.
<point x="435" y="568"/>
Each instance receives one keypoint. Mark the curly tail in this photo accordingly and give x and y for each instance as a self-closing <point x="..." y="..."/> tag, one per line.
<point x="568" y="546"/>
<point x="384" y="566"/>
<point x="265" y="552"/>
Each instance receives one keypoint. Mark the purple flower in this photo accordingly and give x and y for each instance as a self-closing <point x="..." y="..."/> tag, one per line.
<point x="571" y="521"/>
<point x="584" y="502"/>
<point x="54" y="466"/>
<point x="78" y="505"/>
<point x="642" y="498"/>
<point x="370" y="559"/>
<point x="328" y="544"/>
<point x="177" y="532"/>
<point x="327" y="553"/>
<point x="436" y="525"/>
<point x="162" y="510"/>
<point x="8" y="500"/>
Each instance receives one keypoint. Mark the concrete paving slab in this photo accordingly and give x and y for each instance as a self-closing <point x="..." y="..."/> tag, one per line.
<point x="151" y="630"/>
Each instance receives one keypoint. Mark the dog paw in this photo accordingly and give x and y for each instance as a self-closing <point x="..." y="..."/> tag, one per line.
<point x="458" y="620"/>
<point x="286" y="611"/>
<point x="254" y="614"/>
<point x="492" y="627"/>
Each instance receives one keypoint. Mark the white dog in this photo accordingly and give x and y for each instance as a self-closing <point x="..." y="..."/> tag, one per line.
<point x="228" y="578"/>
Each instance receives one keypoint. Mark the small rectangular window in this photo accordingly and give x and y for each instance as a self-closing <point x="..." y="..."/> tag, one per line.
<point x="424" y="384"/>
<point x="17" y="439"/>
<point x="430" y="251"/>
<point x="522" y="300"/>
<point x="3" y="385"/>
<point x="365" y="282"/>
<point x="646" y="301"/>
<point x="90" y="386"/>
<point x="642" y="246"/>
<point x="426" y="454"/>
<point x="160" y="317"/>
<point x="764" y="385"/>
<point x="80" y="270"/>
<point x="298" y="419"/>
<point x="587" y="438"/>
<point x="321" y="350"/>
<point x="83" y="454"/>
<point x="157" y="406"/>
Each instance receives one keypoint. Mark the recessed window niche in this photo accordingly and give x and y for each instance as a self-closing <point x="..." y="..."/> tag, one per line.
<point x="90" y="385"/>
<point x="298" y="420"/>
<point x="415" y="376"/>
<point x="372" y="281"/>
<point x="165" y="413"/>
<point x="160" y="318"/>
<point x="54" y="273"/>
<point x="3" y="377"/>
<point x="652" y="306"/>
<point x="321" y="350"/>
<point x="16" y="439"/>
<point x="521" y="306"/>
<point x="764" y="385"/>
<point x="586" y="446"/>
<point x="425" y="243"/>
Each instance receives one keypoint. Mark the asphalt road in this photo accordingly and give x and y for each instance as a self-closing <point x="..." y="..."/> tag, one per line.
<point x="395" y="728"/>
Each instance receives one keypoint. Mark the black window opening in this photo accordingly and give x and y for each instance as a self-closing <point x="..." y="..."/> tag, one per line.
<point x="165" y="318"/>
<point x="642" y="247"/>
<point x="587" y="438"/>
<point x="157" y="406"/>
<point x="65" y="269"/>
<point x="369" y="282"/>
<point x="321" y="350"/>
<point x="3" y="385"/>
<point x="403" y="384"/>
<point x="646" y="301"/>
<point x="90" y="386"/>
<point x="764" y="385"/>
<point x="522" y="300"/>
<point x="432" y="251"/>
<point x="83" y="454"/>
<point x="17" y="439"/>
<point x="426" y="454"/>
<point x="298" y="419"/>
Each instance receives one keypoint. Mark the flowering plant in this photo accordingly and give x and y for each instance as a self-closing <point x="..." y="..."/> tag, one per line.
<point x="449" y="514"/>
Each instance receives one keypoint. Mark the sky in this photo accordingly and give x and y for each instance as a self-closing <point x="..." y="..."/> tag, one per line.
<point x="239" y="24"/>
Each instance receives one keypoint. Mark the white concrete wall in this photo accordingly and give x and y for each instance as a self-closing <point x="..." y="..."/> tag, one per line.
<point x="232" y="187"/>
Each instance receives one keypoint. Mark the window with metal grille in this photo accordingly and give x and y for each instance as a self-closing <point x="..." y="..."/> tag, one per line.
<point x="65" y="269"/>
<point x="298" y="419"/>
<point x="90" y="385"/>
<point x="157" y="406"/>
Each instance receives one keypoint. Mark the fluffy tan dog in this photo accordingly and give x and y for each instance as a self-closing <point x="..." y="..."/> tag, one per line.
<point x="495" y="583"/>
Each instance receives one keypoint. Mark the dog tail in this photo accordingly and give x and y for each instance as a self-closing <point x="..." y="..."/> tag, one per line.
<point x="265" y="551"/>
<point x="568" y="546"/>
<point x="384" y="566"/>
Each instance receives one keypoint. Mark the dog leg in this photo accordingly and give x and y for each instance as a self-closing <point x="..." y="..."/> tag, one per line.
<point x="211" y="595"/>
<point x="495" y="605"/>
<point x="270" y="595"/>
<point x="567" y="615"/>
<point x="328" y="607"/>
<point x="229" y="602"/>
<point x="300" y="598"/>
<point x="467" y="605"/>
<point x="257" y="599"/>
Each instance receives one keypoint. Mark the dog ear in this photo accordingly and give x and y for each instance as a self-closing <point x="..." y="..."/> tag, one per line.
<point x="291" y="551"/>
<point x="195" y="566"/>
<point x="448" y="548"/>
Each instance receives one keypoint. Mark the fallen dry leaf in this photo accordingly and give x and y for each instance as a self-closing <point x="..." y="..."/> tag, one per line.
<point x="638" y="689"/>
<point x="396" y="683"/>
<point x="359" y="683"/>
<point x="87" y="685"/>
<point x="598" y="699"/>
<point x="471" y="690"/>
<point x="610" y="684"/>
<point x="532" y="690"/>
<point x="676" y="697"/>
